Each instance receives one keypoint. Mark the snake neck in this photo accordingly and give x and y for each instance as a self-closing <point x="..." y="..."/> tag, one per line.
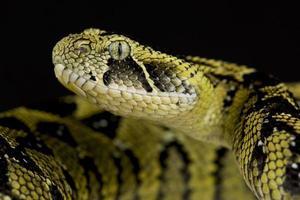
<point x="222" y="91"/>
<point x="227" y="92"/>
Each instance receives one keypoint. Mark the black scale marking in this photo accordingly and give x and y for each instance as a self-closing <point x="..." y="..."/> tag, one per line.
<point x="185" y="172"/>
<point x="118" y="165"/>
<point x="34" y="143"/>
<point x="104" y="122"/>
<point x="55" y="193"/>
<point x="4" y="187"/>
<point x="163" y="79"/>
<point x="127" y="66"/>
<point x="230" y="97"/>
<point x="71" y="183"/>
<point x="220" y="154"/>
<point x="57" y="130"/>
<point x="136" y="168"/>
<point x="275" y="105"/>
<point x="14" y="123"/>
<point x="260" y="79"/>
<point x="89" y="167"/>
<point x="28" y="142"/>
<point x="272" y="106"/>
<point x="292" y="180"/>
<point x="158" y="76"/>
<point x="19" y="154"/>
<point x="260" y="156"/>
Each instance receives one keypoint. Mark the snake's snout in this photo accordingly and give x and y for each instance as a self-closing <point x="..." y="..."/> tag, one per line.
<point x="57" y="60"/>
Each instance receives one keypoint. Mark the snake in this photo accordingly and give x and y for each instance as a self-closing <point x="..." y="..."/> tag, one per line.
<point x="146" y="125"/>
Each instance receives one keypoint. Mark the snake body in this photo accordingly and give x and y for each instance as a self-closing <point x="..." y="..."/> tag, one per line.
<point x="148" y="125"/>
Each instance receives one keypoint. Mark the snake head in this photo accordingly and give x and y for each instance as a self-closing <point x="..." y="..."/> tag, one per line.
<point x="122" y="76"/>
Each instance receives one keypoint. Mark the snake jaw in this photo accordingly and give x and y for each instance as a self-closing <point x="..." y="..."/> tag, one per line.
<point x="125" y="101"/>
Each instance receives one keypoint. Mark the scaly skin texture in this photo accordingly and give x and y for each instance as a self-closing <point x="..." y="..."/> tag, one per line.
<point x="68" y="149"/>
<point x="159" y="127"/>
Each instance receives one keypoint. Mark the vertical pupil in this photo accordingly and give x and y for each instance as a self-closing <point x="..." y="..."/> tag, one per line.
<point x="120" y="49"/>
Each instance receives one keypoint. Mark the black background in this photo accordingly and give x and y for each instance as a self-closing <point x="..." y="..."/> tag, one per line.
<point x="264" y="35"/>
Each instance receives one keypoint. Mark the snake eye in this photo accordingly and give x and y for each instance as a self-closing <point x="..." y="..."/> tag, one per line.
<point x="119" y="50"/>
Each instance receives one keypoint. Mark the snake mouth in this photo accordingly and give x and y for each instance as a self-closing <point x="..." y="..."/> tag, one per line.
<point x="124" y="101"/>
<point x="84" y="85"/>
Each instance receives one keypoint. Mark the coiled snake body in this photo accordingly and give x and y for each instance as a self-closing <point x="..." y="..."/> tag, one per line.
<point x="156" y="127"/>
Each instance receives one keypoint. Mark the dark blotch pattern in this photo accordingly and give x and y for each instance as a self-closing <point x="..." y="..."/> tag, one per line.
<point x="292" y="179"/>
<point x="89" y="166"/>
<point x="126" y="72"/>
<point x="4" y="188"/>
<point x="71" y="182"/>
<point x="166" y="80"/>
<point x="55" y="193"/>
<point x="57" y="130"/>
<point x="161" y="78"/>
<point x="220" y="153"/>
<point x="164" y="156"/>
<point x="34" y="143"/>
<point x="135" y="164"/>
<point x="295" y="144"/>
<point x="260" y="156"/>
<point x="13" y="123"/>
<point x="19" y="154"/>
<point x="267" y="128"/>
<point x="136" y="168"/>
<point x="274" y="105"/>
<point x="104" y="122"/>
<point x="28" y="142"/>
<point x="229" y="97"/>
<point x="118" y="165"/>
<point x="260" y="79"/>
<point x="256" y="79"/>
